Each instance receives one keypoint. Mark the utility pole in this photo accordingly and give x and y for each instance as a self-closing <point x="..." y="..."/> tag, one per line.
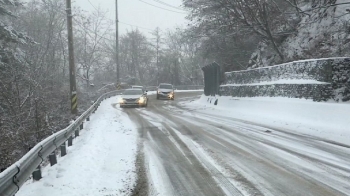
<point x="157" y="61"/>
<point x="117" y="41"/>
<point x="156" y="33"/>
<point x="72" y="80"/>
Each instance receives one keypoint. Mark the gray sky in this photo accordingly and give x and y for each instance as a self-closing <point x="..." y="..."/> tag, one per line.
<point x="137" y="12"/>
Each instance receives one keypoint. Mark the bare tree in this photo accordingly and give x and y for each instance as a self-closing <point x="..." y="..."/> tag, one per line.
<point x="90" y="37"/>
<point x="266" y="19"/>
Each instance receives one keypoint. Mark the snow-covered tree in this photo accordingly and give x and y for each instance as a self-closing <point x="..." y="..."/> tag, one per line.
<point x="15" y="85"/>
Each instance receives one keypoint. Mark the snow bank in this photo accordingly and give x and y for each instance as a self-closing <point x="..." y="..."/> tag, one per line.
<point x="281" y="81"/>
<point x="100" y="162"/>
<point x="330" y="121"/>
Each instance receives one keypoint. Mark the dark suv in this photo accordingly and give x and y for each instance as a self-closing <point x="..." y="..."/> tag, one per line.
<point x="166" y="91"/>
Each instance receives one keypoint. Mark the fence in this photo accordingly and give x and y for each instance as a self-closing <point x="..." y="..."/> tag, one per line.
<point x="15" y="176"/>
<point x="179" y="87"/>
<point x="212" y="79"/>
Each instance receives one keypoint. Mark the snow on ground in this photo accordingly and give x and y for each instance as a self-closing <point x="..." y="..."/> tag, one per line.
<point x="327" y="120"/>
<point x="100" y="162"/>
<point x="282" y="81"/>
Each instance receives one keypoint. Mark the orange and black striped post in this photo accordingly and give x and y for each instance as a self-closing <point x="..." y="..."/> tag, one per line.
<point x="74" y="102"/>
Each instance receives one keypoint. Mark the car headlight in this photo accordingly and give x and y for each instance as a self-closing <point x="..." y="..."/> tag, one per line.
<point x="141" y="100"/>
<point x="121" y="100"/>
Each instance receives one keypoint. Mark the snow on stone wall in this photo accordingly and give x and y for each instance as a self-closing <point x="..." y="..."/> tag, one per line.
<point x="317" y="79"/>
<point x="316" y="92"/>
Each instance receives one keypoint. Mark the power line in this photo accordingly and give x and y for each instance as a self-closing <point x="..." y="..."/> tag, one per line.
<point x="136" y="26"/>
<point x="121" y="21"/>
<point x="162" y="8"/>
<point x="166" y="4"/>
<point x="85" y="28"/>
<point x="92" y="5"/>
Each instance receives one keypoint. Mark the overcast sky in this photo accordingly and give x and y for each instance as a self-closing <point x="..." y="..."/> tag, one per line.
<point x="139" y="13"/>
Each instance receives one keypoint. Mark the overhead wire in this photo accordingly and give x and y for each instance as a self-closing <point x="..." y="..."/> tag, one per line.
<point x="162" y="7"/>
<point x="166" y="4"/>
<point x="121" y="21"/>
<point x="136" y="26"/>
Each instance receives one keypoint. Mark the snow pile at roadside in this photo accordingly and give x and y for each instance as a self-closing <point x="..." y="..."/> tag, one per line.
<point x="100" y="162"/>
<point x="281" y="81"/>
<point x="328" y="120"/>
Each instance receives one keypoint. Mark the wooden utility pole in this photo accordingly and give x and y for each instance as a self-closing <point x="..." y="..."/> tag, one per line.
<point x="156" y="33"/>
<point x="117" y="41"/>
<point x="157" y="61"/>
<point x="72" y="80"/>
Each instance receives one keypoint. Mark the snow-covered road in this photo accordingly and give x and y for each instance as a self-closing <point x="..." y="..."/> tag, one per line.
<point x="100" y="162"/>
<point x="189" y="151"/>
<point x="184" y="147"/>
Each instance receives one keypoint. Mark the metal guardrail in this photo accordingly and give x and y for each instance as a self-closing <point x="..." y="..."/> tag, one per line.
<point x="180" y="87"/>
<point x="16" y="175"/>
<point x="189" y="87"/>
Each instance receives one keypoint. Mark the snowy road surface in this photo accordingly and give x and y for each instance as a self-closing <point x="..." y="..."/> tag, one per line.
<point x="191" y="152"/>
<point x="180" y="148"/>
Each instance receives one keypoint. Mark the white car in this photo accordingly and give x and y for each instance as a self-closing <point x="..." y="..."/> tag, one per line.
<point x="138" y="87"/>
<point x="133" y="98"/>
<point x="165" y="91"/>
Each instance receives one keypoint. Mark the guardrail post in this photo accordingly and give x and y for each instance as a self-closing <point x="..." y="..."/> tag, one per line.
<point x="63" y="149"/>
<point x="76" y="133"/>
<point x="88" y="118"/>
<point x="37" y="174"/>
<point x="70" y="140"/>
<point x="53" y="158"/>
<point x="81" y="126"/>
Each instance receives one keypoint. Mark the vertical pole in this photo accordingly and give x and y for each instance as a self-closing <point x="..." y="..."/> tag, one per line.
<point x="158" y="40"/>
<point x="63" y="149"/>
<point x="37" y="173"/>
<point x="53" y="158"/>
<point x="76" y="133"/>
<point x="72" y="80"/>
<point x="70" y="140"/>
<point x="117" y="40"/>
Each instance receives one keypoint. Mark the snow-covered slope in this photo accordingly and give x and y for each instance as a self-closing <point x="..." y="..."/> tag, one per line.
<point x="320" y="33"/>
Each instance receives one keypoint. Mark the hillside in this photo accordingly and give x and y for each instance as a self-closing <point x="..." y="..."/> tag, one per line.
<point x="322" y="31"/>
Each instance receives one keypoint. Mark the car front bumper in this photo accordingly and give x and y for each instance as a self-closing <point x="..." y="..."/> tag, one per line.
<point x="133" y="103"/>
<point x="166" y="95"/>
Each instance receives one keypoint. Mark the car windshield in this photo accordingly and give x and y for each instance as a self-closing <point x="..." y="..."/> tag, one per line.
<point x="133" y="92"/>
<point x="166" y="86"/>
